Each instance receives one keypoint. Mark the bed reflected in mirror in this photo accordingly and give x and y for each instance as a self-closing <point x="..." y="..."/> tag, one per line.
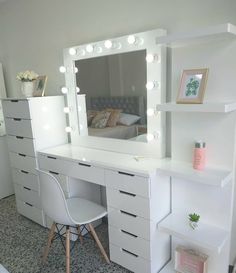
<point x="116" y="96"/>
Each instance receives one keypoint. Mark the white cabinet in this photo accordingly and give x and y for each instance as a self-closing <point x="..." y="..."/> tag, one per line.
<point x="32" y="124"/>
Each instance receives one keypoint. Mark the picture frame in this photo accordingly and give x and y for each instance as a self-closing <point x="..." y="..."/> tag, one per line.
<point x="192" y="86"/>
<point x="40" y="85"/>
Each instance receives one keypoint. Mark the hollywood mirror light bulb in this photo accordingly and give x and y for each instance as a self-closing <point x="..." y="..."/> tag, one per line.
<point x="108" y="44"/>
<point x="62" y="69"/>
<point x="89" y="48"/>
<point x="150" y="137"/>
<point x="72" y="51"/>
<point x="66" y="110"/>
<point x="64" y="90"/>
<point x="150" y="112"/>
<point x="68" y="129"/>
<point x="131" y="39"/>
<point x="150" y="85"/>
<point x="150" y="58"/>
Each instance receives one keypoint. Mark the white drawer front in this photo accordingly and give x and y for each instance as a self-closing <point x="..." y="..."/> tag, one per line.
<point x="26" y="179"/>
<point x="80" y="170"/>
<point x="129" y="202"/>
<point x="19" y="127"/>
<point x="128" y="222"/>
<point x="19" y="144"/>
<point x="63" y="180"/>
<point x="31" y="212"/>
<point x="28" y="195"/>
<point x="16" y="109"/>
<point x="129" y="241"/>
<point x="127" y="182"/>
<point x="23" y="162"/>
<point x="128" y="260"/>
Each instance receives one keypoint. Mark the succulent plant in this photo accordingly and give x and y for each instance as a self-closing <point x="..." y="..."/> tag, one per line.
<point x="193" y="217"/>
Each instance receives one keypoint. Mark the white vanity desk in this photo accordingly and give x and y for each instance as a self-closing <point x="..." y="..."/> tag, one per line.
<point x="137" y="199"/>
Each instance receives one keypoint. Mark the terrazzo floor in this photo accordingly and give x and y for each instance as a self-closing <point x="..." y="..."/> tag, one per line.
<point x="22" y="242"/>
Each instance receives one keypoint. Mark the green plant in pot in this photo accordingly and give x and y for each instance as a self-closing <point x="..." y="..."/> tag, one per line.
<point x="193" y="220"/>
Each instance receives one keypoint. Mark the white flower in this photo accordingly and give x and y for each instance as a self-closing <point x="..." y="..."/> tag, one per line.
<point x="27" y="76"/>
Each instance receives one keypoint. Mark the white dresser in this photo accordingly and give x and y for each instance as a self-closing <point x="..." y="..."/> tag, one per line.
<point x="32" y="124"/>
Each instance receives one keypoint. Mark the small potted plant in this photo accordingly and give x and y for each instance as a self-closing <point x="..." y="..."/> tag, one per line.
<point x="27" y="79"/>
<point x="193" y="220"/>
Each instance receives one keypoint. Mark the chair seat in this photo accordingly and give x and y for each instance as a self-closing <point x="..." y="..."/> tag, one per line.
<point x="83" y="211"/>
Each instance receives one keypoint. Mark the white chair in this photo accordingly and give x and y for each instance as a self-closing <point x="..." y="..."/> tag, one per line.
<point x="73" y="212"/>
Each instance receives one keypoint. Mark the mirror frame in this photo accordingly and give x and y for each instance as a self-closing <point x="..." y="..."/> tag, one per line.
<point x="156" y="77"/>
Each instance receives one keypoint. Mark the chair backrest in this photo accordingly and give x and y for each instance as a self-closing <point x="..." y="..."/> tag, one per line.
<point x="53" y="199"/>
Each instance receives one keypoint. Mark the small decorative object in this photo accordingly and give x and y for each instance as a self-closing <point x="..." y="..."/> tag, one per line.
<point x="192" y="86"/>
<point x="27" y="79"/>
<point x="193" y="220"/>
<point x="40" y="86"/>
<point x="199" y="155"/>
<point x="190" y="261"/>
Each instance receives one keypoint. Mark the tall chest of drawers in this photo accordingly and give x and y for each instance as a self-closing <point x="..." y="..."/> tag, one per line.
<point x="31" y="124"/>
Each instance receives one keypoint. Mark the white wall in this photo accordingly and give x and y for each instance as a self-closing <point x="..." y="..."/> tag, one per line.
<point x="33" y="33"/>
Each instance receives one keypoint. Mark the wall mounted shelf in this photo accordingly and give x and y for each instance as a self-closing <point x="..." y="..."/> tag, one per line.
<point x="199" y="36"/>
<point x="204" y="107"/>
<point x="206" y="236"/>
<point x="184" y="170"/>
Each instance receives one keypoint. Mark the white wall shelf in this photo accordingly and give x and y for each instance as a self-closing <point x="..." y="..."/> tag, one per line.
<point x="184" y="170"/>
<point x="198" y="36"/>
<point x="204" y="107"/>
<point x="207" y="236"/>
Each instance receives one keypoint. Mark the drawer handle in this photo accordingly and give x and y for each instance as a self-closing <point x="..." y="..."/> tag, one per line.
<point x="128" y="252"/>
<point x="127" y="193"/>
<point x="17" y="119"/>
<point x="20" y="137"/>
<point x="24" y="172"/>
<point x="28" y="189"/>
<point x="28" y="204"/>
<point x="51" y="157"/>
<point x="14" y="100"/>
<point x="22" y="155"/>
<point x="53" y="172"/>
<point x="85" y="165"/>
<point x="128" y="233"/>
<point x="123" y="173"/>
<point x="128" y="213"/>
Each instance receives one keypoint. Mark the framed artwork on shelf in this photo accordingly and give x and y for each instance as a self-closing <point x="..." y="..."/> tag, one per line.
<point x="192" y="86"/>
<point x="40" y="85"/>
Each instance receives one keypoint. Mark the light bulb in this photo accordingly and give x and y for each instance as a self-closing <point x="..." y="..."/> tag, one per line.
<point x="98" y="49"/>
<point x="150" y="112"/>
<point x="64" y="90"/>
<point x="66" y="110"/>
<point x="76" y="70"/>
<point x="150" y="85"/>
<point x="89" y="48"/>
<point x="77" y="89"/>
<point x="81" y="52"/>
<point x="150" y="58"/>
<point x="68" y="129"/>
<point x="72" y="51"/>
<point x="131" y="39"/>
<point x="150" y="137"/>
<point x="62" y="69"/>
<point x="108" y="44"/>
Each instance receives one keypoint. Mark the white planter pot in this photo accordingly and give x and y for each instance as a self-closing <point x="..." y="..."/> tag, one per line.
<point x="27" y="88"/>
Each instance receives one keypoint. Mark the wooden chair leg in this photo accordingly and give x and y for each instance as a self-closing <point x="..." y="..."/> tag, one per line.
<point x="94" y="234"/>
<point x="49" y="243"/>
<point x="67" y="249"/>
<point x="80" y="236"/>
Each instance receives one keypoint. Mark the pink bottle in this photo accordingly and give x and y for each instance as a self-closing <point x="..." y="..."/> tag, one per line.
<point x="199" y="156"/>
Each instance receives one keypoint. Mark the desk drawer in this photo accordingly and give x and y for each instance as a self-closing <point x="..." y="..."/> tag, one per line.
<point x="22" y="145"/>
<point x="62" y="179"/>
<point x="129" y="202"/>
<point x="27" y="195"/>
<point x="16" y="109"/>
<point x="31" y="212"/>
<point x="19" y="127"/>
<point x="128" y="260"/>
<point x="23" y="162"/>
<point x="130" y="223"/>
<point x="129" y="241"/>
<point x="127" y="182"/>
<point x="26" y="179"/>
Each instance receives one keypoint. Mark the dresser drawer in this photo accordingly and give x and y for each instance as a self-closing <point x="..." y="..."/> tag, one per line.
<point x="26" y="179"/>
<point x="19" y="144"/>
<point x="23" y="162"/>
<point x="79" y="170"/>
<point x="129" y="222"/>
<point x="127" y="201"/>
<point x="19" y="127"/>
<point x="31" y="212"/>
<point x="127" y="182"/>
<point x="16" y="109"/>
<point x="129" y="260"/>
<point x="129" y="241"/>
<point x="27" y="195"/>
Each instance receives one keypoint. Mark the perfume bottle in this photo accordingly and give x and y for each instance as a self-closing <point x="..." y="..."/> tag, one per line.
<point x="199" y="155"/>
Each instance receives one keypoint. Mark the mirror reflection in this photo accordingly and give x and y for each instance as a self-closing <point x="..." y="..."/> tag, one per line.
<point x="116" y="96"/>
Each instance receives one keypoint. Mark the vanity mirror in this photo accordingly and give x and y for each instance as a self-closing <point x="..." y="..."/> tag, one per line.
<point x="112" y="89"/>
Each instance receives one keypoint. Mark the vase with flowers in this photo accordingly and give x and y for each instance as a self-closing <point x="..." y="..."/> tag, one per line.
<point x="27" y="79"/>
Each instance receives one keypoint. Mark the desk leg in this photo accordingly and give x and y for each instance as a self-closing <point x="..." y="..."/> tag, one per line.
<point x="67" y="249"/>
